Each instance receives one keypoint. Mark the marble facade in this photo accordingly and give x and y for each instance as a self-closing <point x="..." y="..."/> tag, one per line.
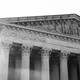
<point x="40" y="48"/>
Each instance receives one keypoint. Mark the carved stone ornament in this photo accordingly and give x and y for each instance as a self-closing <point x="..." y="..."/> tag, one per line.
<point x="64" y="54"/>
<point x="24" y="34"/>
<point x="61" y="26"/>
<point x="45" y="51"/>
<point x="6" y="46"/>
<point x="29" y="34"/>
<point x="26" y="49"/>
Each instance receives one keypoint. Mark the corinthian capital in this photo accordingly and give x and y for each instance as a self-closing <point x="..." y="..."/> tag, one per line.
<point x="45" y="51"/>
<point x="64" y="54"/>
<point x="26" y="49"/>
<point x="6" y="45"/>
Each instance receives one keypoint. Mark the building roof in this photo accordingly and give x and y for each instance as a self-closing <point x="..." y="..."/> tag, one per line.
<point x="38" y="18"/>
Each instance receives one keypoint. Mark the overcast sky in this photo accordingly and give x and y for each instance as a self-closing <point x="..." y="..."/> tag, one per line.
<point x="19" y="8"/>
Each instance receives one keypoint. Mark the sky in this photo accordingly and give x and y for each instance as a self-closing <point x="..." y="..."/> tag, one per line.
<point x="23" y="8"/>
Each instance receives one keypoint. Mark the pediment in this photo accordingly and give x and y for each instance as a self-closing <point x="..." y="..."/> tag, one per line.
<point x="68" y="24"/>
<point x="61" y="26"/>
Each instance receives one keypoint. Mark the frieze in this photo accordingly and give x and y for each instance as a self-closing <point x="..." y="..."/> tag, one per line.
<point x="28" y="34"/>
<point x="69" y="27"/>
<point x="22" y="34"/>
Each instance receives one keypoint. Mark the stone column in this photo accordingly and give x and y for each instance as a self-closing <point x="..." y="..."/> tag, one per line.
<point x="25" y="69"/>
<point x="4" y="60"/>
<point x="45" y="75"/>
<point x="64" y="65"/>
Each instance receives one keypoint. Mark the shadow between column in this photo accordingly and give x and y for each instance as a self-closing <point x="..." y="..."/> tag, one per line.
<point x="54" y="65"/>
<point x="73" y="67"/>
<point x="35" y="64"/>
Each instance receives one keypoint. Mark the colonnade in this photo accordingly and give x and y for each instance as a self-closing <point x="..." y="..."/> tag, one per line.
<point x="25" y="62"/>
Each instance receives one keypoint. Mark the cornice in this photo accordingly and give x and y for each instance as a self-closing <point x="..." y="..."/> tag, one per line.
<point x="40" y="18"/>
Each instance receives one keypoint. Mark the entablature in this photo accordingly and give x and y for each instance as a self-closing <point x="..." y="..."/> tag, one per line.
<point x="23" y="32"/>
<point x="58" y="24"/>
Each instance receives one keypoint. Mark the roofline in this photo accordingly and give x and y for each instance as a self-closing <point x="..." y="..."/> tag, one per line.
<point x="38" y="18"/>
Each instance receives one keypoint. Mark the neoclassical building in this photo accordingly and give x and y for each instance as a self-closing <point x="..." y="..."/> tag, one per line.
<point x="40" y="48"/>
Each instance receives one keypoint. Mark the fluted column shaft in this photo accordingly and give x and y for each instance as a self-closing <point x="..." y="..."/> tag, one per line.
<point x="25" y="66"/>
<point x="64" y="65"/>
<point x="4" y="60"/>
<point x="45" y="64"/>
